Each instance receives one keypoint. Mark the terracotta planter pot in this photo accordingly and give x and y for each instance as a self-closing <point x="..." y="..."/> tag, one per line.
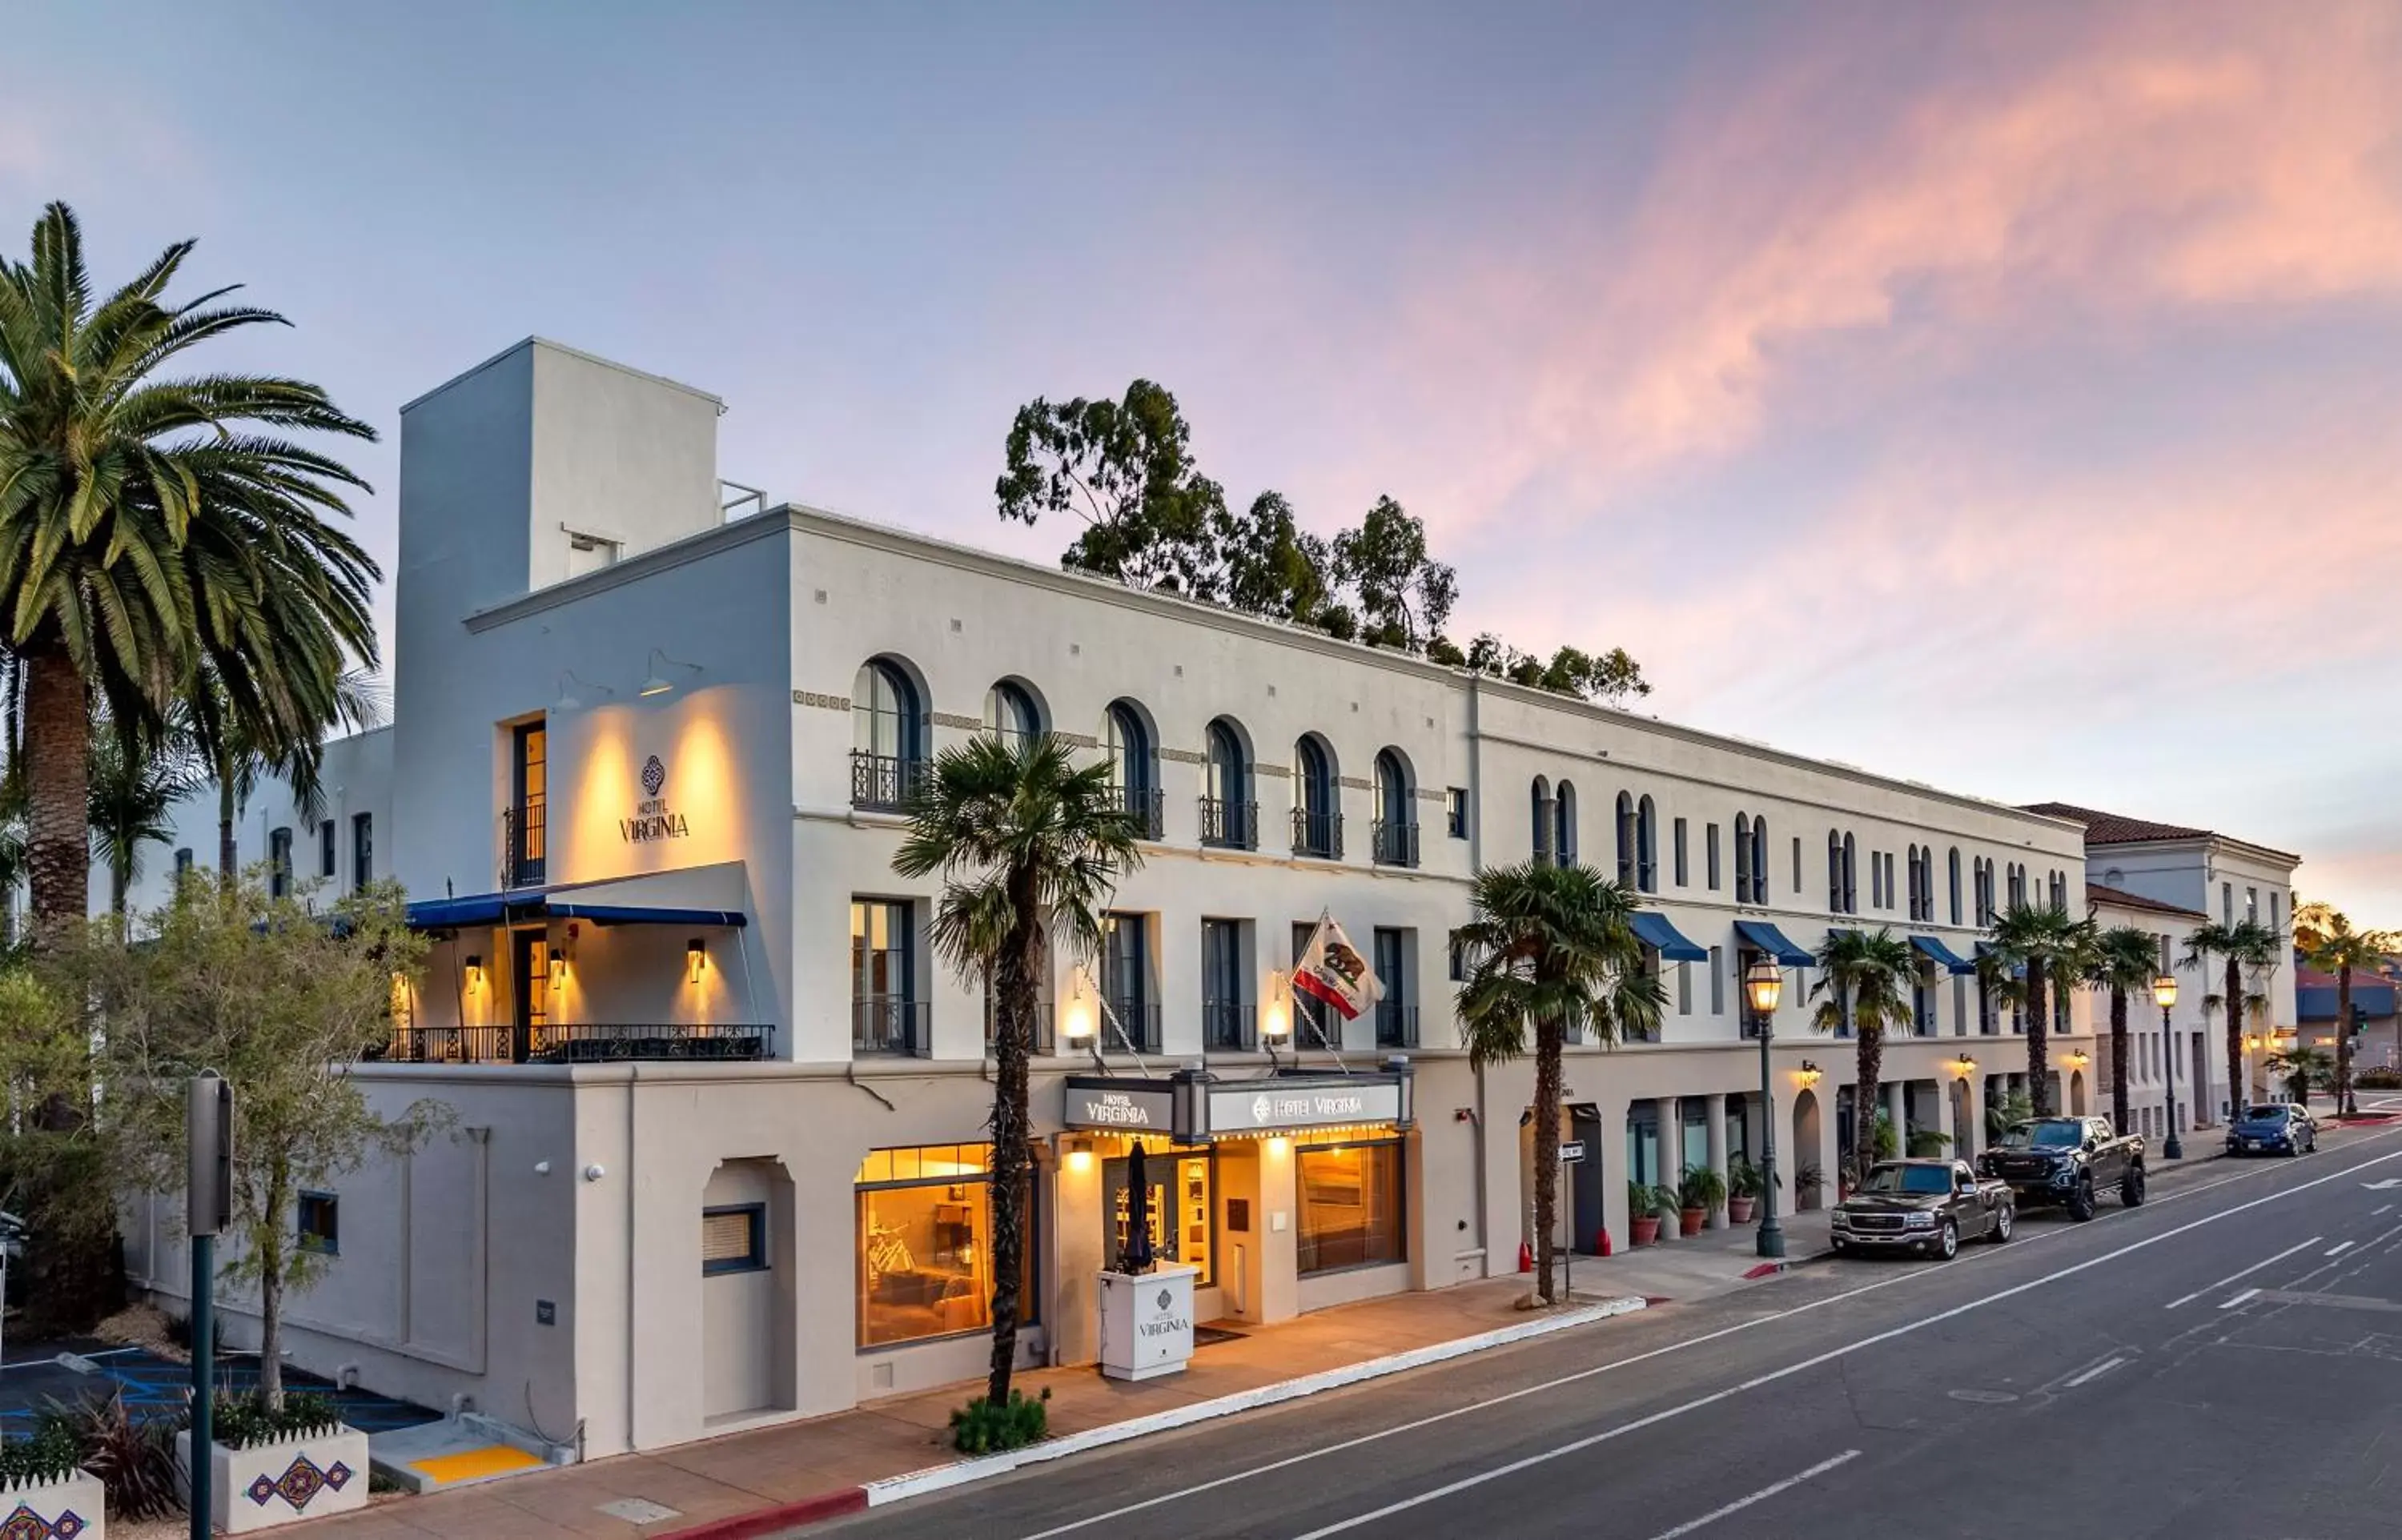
<point x="1647" y="1229"/>
<point x="1691" y="1220"/>
<point x="1739" y="1210"/>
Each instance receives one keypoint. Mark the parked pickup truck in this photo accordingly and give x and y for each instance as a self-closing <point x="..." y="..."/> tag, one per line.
<point x="2067" y="1160"/>
<point x="1928" y="1206"/>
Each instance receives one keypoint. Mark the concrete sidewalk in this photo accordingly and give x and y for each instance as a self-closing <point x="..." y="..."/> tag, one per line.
<point x="715" y="1482"/>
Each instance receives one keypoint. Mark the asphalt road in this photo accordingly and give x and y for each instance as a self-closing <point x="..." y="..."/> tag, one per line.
<point x="2225" y="1361"/>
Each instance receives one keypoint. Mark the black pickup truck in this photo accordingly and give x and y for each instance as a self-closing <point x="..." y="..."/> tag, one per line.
<point x="2067" y="1160"/>
<point x="1928" y="1206"/>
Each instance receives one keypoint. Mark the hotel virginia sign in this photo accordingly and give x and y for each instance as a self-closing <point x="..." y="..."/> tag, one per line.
<point x="1191" y="1107"/>
<point x="1135" y="1107"/>
<point x="1243" y="1109"/>
<point x="653" y="820"/>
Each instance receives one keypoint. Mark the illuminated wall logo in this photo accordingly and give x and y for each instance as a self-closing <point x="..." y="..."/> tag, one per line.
<point x="653" y="820"/>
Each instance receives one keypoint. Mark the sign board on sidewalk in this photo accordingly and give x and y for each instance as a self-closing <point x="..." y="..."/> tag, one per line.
<point x="1571" y="1152"/>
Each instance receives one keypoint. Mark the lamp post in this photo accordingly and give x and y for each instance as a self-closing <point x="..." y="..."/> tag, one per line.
<point x="2165" y="994"/>
<point x="1762" y="983"/>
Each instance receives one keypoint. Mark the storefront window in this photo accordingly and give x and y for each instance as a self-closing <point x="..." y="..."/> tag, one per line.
<point x="925" y="1251"/>
<point x="1351" y="1206"/>
<point x="1178" y="1209"/>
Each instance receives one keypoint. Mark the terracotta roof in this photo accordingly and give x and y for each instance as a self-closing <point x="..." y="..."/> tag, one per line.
<point x="2114" y="828"/>
<point x="2119" y="897"/>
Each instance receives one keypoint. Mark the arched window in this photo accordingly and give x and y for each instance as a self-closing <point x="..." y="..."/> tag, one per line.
<point x="1010" y="714"/>
<point x="1955" y="884"/>
<point x="888" y="751"/>
<point x="1564" y="824"/>
<point x="1134" y="764"/>
<point x="1834" y="872"/>
<point x="1625" y="840"/>
<point x="1396" y="819"/>
<point x="1227" y="806"/>
<point x="1539" y="795"/>
<point x="1317" y="817"/>
<point x="1647" y="847"/>
<point x="1916" y="877"/>
<point x="1851" y="877"/>
<point x="2018" y="885"/>
<point x="1742" y="858"/>
<point x="1760" y="861"/>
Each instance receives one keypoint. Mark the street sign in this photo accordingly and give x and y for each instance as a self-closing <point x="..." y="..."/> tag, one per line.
<point x="1571" y="1152"/>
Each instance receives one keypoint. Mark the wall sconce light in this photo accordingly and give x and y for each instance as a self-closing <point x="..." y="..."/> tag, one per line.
<point x="1276" y="1012"/>
<point x="558" y="970"/>
<point x="568" y="699"/>
<point x="2077" y="1061"/>
<point x="1279" y="1143"/>
<point x="696" y="959"/>
<point x="1808" y="1075"/>
<point x="1077" y="1024"/>
<point x="1963" y="1066"/>
<point x="657" y="684"/>
<point x="474" y="970"/>
<point x="1080" y="1156"/>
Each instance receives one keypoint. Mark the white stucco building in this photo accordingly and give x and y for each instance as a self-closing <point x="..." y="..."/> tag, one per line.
<point x="720" y="1112"/>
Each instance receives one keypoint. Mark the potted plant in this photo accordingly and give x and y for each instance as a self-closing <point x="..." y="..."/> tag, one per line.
<point x="40" y="1476"/>
<point x="1699" y="1194"/>
<point x="1744" y="1186"/>
<point x="1927" y="1144"/>
<point x="1808" y="1179"/>
<point x="273" y="1465"/>
<point x="1642" y="1213"/>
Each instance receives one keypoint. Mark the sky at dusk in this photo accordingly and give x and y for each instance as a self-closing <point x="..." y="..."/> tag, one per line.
<point x="2004" y="397"/>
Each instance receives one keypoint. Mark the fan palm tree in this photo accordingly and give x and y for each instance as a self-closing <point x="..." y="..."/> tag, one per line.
<point x="1864" y="988"/>
<point x="1029" y="848"/>
<point x="149" y="525"/>
<point x="2328" y="942"/>
<point x="2037" y="940"/>
<point x="1553" y="948"/>
<point x="137" y="778"/>
<point x="2302" y="1069"/>
<point x="2125" y="960"/>
<point x="2242" y="945"/>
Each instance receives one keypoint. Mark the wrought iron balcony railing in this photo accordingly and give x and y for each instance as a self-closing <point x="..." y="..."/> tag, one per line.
<point x="1397" y="844"/>
<point x="1230" y="825"/>
<point x="888" y="1024"/>
<point x="1043" y="1033"/>
<point x="1226" y="1025"/>
<point x="1397" y="1024"/>
<point x="578" y="1042"/>
<point x="524" y="845"/>
<point x="1318" y="834"/>
<point x="1148" y="805"/>
<point x="884" y="783"/>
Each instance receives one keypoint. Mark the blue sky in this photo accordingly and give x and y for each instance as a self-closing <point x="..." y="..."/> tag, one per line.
<point x="2001" y="397"/>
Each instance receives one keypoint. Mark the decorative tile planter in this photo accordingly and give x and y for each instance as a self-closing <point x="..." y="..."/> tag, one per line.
<point x="73" y="1509"/>
<point x="258" y="1489"/>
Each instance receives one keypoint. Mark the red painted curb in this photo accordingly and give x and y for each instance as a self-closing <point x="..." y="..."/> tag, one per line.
<point x="750" y="1526"/>
<point x="1764" y="1270"/>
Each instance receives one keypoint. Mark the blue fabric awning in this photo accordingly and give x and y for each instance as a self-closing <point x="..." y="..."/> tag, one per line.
<point x="1763" y="937"/>
<point x="1932" y="947"/>
<point x="1657" y="933"/>
<point x="535" y="904"/>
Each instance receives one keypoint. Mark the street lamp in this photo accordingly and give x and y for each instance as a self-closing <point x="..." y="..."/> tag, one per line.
<point x="1762" y="983"/>
<point x="2164" y="992"/>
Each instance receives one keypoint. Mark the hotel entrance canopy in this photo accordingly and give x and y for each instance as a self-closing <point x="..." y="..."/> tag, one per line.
<point x="1194" y="1107"/>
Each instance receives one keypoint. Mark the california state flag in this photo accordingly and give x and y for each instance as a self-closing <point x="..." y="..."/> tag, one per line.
<point x="1332" y="969"/>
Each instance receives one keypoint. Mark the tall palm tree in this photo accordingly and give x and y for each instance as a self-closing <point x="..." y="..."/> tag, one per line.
<point x="2037" y="939"/>
<point x="240" y="751"/>
<point x="1864" y="987"/>
<point x="137" y="778"/>
<point x="2328" y="942"/>
<point x="1030" y="847"/>
<point x="1552" y="947"/>
<point x="148" y="524"/>
<point x="2125" y="960"/>
<point x="2242" y="945"/>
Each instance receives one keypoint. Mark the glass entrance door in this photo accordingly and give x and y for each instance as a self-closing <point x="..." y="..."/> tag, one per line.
<point x="1181" y="1210"/>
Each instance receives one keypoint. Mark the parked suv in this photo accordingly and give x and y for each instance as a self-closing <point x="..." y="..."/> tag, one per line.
<point x="1928" y="1206"/>
<point x="2067" y="1160"/>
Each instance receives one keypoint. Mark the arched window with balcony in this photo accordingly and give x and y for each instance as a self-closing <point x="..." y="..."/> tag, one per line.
<point x="1742" y="858"/>
<point x="1229" y="815"/>
<point x="1564" y="824"/>
<point x="1759" y="859"/>
<point x="1955" y="884"/>
<point x="1647" y="847"/>
<point x="1011" y="715"/>
<point x="1317" y="805"/>
<point x="1134" y="764"/>
<point x="1539" y="819"/>
<point x="888" y="745"/>
<point x="1396" y="817"/>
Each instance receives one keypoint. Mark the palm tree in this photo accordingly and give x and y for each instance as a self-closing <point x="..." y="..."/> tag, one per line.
<point x="2125" y="960"/>
<point x="1553" y="947"/>
<point x="137" y="778"/>
<point x="2329" y="944"/>
<point x="1030" y="847"/>
<point x="148" y="525"/>
<point x="1866" y="982"/>
<point x="2242" y="944"/>
<point x="2302" y="1067"/>
<point x="238" y="757"/>
<point x="2038" y="939"/>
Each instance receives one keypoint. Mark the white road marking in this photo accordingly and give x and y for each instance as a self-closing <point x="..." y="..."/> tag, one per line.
<point x="1830" y="1355"/>
<point x="1821" y="1468"/>
<point x="2105" y="1366"/>
<point x="2382" y="1208"/>
<point x="2246" y="1295"/>
<point x="2337" y="1249"/>
<point x="2024" y="1239"/>
<point x="2212" y="1288"/>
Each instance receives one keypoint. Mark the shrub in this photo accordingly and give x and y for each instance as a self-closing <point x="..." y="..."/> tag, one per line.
<point x="982" y="1428"/>
<point x="1927" y="1144"/>
<point x="134" y="1457"/>
<point x="49" y="1454"/>
<point x="1745" y="1180"/>
<point x="2378" y="1079"/>
<point x="244" y="1420"/>
<point x="1701" y="1187"/>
